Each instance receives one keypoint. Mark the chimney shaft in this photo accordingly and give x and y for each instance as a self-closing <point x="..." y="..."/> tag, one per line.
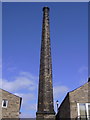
<point x="45" y="91"/>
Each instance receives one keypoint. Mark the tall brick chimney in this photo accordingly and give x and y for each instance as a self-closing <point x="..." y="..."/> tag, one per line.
<point x="45" y="110"/>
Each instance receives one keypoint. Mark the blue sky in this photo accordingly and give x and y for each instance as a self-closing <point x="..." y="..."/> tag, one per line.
<point x="22" y="28"/>
<point x="0" y="41"/>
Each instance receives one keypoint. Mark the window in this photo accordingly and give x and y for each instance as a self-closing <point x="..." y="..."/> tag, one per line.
<point x="4" y="103"/>
<point x="89" y="109"/>
<point x="83" y="110"/>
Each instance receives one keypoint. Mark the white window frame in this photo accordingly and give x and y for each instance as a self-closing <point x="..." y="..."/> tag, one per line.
<point x="6" y="103"/>
<point x="87" y="110"/>
<point x="78" y="108"/>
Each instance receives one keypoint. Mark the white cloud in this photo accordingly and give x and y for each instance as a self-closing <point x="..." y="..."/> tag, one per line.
<point x="18" y="84"/>
<point x="60" y="91"/>
<point x="28" y="75"/>
<point x="83" y="69"/>
<point x="59" y="94"/>
<point x="27" y="115"/>
<point x="23" y="81"/>
<point x="33" y="107"/>
<point x="0" y="83"/>
<point x="83" y="73"/>
<point x="28" y="82"/>
<point x="27" y="98"/>
<point x="23" y="85"/>
<point x="27" y="104"/>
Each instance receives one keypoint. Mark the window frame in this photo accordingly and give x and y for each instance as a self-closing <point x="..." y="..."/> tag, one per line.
<point x="87" y="111"/>
<point x="3" y="103"/>
<point x="88" y="116"/>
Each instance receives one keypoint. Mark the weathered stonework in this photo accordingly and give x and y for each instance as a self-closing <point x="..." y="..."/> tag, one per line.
<point x="45" y="94"/>
<point x="68" y="108"/>
<point x="13" y="107"/>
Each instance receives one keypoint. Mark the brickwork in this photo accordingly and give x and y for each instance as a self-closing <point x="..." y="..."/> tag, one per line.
<point x="79" y="95"/>
<point x="68" y="108"/>
<point x="64" y="109"/>
<point x="13" y="108"/>
<point x="45" y="95"/>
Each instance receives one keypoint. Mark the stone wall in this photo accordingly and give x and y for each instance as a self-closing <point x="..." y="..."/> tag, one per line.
<point x="12" y="110"/>
<point x="64" y="109"/>
<point x="68" y="108"/>
<point x="79" y="95"/>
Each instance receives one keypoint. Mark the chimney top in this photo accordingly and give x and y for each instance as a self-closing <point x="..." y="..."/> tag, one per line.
<point x="45" y="8"/>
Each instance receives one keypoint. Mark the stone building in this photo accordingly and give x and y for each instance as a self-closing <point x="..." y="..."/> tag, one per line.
<point x="9" y="105"/>
<point x="76" y="104"/>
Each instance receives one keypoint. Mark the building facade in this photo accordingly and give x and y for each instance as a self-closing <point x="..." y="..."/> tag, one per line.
<point x="9" y="105"/>
<point x="76" y="104"/>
